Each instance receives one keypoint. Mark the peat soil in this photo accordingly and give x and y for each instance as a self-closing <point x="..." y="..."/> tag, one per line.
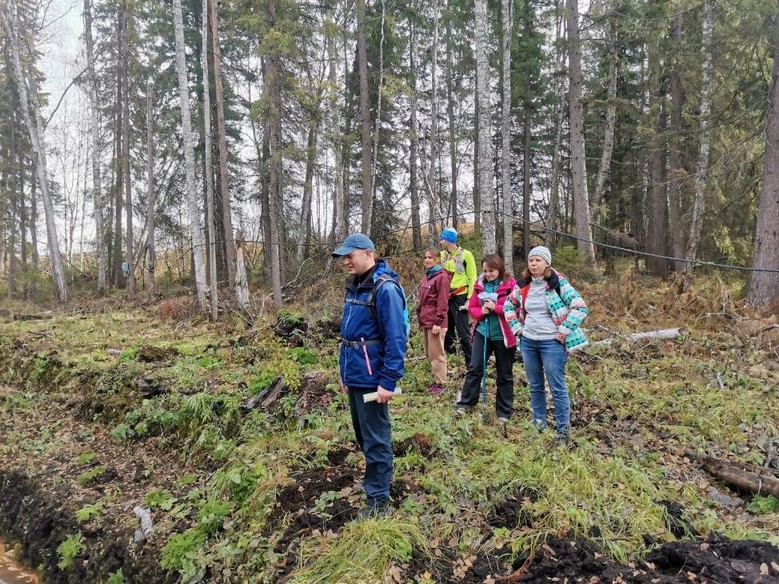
<point x="712" y="560"/>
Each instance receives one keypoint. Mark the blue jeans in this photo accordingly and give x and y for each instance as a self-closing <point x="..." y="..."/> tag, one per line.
<point x="372" y="430"/>
<point x="547" y="357"/>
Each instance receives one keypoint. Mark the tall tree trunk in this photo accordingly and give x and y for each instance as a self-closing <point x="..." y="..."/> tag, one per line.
<point x="362" y="60"/>
<point x="208" y="173"/>
<point x="578" y="161"/>
<point x="336" y="145"/>
<point x="554" y="189"/>
<point x="273" y="87"/>
<point x="118" y="176"/>
<point x="30" y="101"/>
<point x="224" y="204"/>
<point x="764" y="285"/>
<point x="378" y="109"/>
<point x="413" y="187"/>
<point x="656" y="203"/>
<point x="484" y="157"/>
<point x="508" y="211"/>
<point x="675" y="170"/>
<point x="195" y="226"/>
<point x="450" y="116"/>
<point x="94" y="128"/>
<point x="702" y="169"/>
<point x="604" y="168"/>
<point x="432" y="182"/>
<point x="151" y="252"/>
<point x="128" y="197"/>
<point x="308" y="182"/>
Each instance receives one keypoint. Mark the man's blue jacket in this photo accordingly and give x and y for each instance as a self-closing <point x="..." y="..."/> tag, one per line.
<point x="375" y="336"/>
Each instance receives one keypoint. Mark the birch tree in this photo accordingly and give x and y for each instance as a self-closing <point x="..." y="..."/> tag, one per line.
<point x="31" y="110"/>
<point x="195" y="225"/>
<point x="484" y="155"/>
<point x="508" y="215"/>
<point x="150" y="255"/>
<point x="701" y="170"/>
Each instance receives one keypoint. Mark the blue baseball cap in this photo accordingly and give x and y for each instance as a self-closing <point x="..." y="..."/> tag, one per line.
<point x="354" y="242"/>
<point x="449" y="234"/>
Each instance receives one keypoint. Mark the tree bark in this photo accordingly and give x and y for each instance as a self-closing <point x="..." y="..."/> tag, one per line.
<point x="656" y="203"/>
<point x="125" y="156"/>
<point x="151" y="253"/>
<point x="195" y="226"/>
<point x="224" y="204"/>
<point x="432" y="181"/>
<point x="94" y="128"/>
<point x="273" y="87"/>
<point x="452" y="134"/>
<point x="507" y="217"/>
<point x="208" y="173"/>
<point x="604" y="167"/>
<point x="676" y="172"/>
<point x="576" y="114"/>
<point x="366" y="168"/>
<point x="701" y="172"/>
<point x="413" y="171"/>
<point x="484" y="156"/>
<point x="29" y="98"/>
<point x="764" y="285"/>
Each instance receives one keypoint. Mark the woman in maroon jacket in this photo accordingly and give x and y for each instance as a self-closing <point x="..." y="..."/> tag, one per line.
<point x="432" y="312"/>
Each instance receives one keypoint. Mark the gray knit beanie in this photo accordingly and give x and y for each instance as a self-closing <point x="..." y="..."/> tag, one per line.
<point x="541" y="252"/>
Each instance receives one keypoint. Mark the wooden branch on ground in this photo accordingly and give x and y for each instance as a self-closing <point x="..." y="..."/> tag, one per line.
<point x="662" y="335"/>
<point x="751" y="482"/>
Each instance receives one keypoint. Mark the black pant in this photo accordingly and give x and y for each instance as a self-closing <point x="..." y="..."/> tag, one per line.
<point x="504" y="365"/>
<point x="458" y="323"/>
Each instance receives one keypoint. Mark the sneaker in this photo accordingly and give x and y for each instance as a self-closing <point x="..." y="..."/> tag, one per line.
<point x="378" y="509"/>
<point x="503" y="421"/>
<point x="460" y="411"/>
<point x="563" y="440"/>
<point x="436" y="389"/>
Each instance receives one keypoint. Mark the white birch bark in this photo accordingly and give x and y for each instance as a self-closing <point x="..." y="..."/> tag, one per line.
<point x="608" y="134"/>
<point x="701" y="171"/>
<point x="31" y="110"/>
<point x="484" y="156"/>
<point x="432" y="186"/>
<point x="508" y="212"/>
<point x="195" y="226"/>
<point x="150" y="259"/>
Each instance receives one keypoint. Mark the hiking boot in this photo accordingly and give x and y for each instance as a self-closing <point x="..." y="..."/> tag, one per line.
<point x="503" y="421"/>
<point x="378" y="509"/>
<point x="563" y="440"/>
<point x="435" y="389"/>
<point x="460" y="411"/>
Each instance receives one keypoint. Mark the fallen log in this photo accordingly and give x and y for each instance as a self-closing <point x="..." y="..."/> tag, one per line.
<point x="662" y="335"/>
<point x="752" y="482"/>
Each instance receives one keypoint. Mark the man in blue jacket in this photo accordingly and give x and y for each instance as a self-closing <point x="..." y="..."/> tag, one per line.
<point x="373" y="350"/>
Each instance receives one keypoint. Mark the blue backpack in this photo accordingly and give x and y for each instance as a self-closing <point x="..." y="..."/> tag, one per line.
<point x="370" y="302"/>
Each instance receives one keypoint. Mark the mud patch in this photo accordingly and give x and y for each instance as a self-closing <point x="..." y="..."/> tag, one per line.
<point x="34" y="518"/>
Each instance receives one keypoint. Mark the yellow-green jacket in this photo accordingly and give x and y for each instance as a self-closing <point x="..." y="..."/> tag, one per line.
<point x="462" y="265"/>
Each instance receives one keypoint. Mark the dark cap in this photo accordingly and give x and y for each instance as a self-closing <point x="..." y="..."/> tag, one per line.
<point x="353" y="242"/>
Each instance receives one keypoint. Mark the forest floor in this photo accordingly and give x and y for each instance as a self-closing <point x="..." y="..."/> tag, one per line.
<point x="235" y="444"/>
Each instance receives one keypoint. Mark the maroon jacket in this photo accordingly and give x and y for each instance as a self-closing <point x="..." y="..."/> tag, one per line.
<point x="433" y="306"/>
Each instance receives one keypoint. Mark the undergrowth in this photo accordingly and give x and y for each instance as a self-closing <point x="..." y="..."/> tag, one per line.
<point x="636" y="407"/>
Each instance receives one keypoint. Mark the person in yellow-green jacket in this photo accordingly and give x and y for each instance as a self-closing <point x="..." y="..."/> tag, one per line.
<point x="461" y="264"/>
